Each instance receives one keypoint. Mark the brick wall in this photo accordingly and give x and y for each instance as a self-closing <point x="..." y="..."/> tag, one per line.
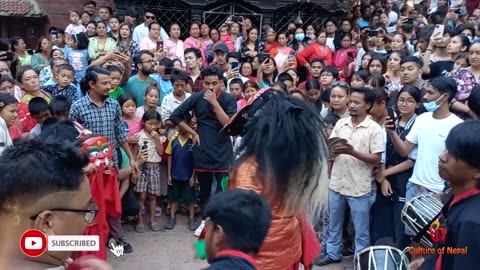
<point x="57" y="10"/>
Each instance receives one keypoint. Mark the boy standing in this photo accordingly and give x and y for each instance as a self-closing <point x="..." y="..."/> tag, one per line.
<point x="59" y="107"/>
<point x="38" y="108"/>
<point x="116" y="76"/>
<point x="237" y="223"/>
<point x="181" y="177"/>
<point x="64" y="87"/>
<point x="459" y="164"/>
<point x="171" y="101"/>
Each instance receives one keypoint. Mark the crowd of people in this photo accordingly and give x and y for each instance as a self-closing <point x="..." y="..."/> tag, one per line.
<point x="393" y="85"/>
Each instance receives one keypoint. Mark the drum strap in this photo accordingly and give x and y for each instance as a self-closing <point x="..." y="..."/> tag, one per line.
<point x="422" y="232"/>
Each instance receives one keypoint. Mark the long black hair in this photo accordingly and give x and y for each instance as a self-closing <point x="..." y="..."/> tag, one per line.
<point x="285" y="137"/>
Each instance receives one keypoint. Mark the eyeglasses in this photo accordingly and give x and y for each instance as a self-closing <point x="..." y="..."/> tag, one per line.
<point x="90" y="6"/>
<point x="90" y="212"/>
<point x="149" y="61"/>
<point x="150" y="17"/>
<point x="406" y="101"/>
<point x="326" y="75"/>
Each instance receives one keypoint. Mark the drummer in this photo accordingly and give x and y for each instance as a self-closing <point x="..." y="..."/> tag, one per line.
<point x="460" y="165"/>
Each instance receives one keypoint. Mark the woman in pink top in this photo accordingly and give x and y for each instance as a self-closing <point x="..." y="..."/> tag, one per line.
<point x="283" y="55"/>
<point x="318" y="49"/>
<point x="174" y="46"/>
<point x="341" y="59"/>
<point x="195" y="41"/>
<point x="150" y="42"/>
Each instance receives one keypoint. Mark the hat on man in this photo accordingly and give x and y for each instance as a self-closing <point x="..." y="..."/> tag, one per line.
<point x="221" y="47"/>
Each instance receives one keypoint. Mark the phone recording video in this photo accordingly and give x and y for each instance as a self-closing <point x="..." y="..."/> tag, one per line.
<point x="8" y="56"/>
<point x="372" y="33"/>
<point x="237" y="18"/>
<point x="159" y="45"/>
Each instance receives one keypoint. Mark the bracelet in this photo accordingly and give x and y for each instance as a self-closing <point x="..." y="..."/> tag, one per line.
<point x="430" y="50"/>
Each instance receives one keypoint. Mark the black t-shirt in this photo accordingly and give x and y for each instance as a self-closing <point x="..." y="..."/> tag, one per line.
<point x="439" y="69"/>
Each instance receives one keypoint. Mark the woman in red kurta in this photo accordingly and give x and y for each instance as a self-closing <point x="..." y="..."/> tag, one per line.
<point x="289" y="174"/>
<point x="318" y="49"/>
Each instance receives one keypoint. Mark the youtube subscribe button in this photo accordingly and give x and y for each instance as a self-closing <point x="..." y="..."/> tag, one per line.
<point x="73" y="243"/>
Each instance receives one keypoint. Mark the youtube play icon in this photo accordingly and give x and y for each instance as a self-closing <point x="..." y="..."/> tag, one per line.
<point x="33" y="243"/>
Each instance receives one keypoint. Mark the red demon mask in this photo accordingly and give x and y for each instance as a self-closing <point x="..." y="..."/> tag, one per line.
<point x="99" y="150"/>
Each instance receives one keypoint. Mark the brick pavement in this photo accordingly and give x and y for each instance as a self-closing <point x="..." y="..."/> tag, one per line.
<point x="171" y="250"/>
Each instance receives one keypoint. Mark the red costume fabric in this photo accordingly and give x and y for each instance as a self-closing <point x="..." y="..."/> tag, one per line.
<point x="105" y="193"/>
<point x="25" y="118"/>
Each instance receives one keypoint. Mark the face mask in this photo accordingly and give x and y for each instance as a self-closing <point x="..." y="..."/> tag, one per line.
<point x="432" y="106"/>
<point x="470" y="38"/>
<point x="300" y="36"/>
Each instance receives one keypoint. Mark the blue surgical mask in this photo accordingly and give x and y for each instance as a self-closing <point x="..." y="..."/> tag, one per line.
<point x="432" y="106"/>
<point x="300" y="36"/>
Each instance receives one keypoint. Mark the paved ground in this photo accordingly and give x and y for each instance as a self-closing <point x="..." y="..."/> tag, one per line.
<point x="171" y="250"/>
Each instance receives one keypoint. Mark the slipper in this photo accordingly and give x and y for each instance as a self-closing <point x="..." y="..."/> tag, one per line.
<point x="140" y="228"/>
<point x="155" y="226"/>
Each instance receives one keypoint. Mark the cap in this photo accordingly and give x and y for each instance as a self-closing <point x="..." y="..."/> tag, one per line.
<point x="221" y="47"/>
<point x="236" y="125"/>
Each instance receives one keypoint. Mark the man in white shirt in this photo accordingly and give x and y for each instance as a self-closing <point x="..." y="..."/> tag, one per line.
<point x="141" y="31"/>
<point x="428" y="133"/>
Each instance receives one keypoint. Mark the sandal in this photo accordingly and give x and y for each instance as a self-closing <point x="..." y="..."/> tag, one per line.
<point x="155" y="226"/>
<point x="140" y="228"/>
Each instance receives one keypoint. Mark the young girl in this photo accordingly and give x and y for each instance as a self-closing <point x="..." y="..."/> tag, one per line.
<point x="78" y="54"/>
<point x="313" y="90"/>
<point x="152" y="95"/>
<point x="150" y="141"/>
<point x="132" y="123"/>
<point x="8" y="115"/>
<point x="74" y="27"/>
<point x="461" y="61"/>
<point x="359" y="79"/>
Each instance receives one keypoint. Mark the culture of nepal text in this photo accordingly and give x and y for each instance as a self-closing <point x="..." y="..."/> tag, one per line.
<point x="442" y="250"/>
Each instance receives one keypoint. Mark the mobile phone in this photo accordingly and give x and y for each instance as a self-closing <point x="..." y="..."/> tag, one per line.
<point x="30" y="51"/>
<point x="8" y="56"/>
<point x="350" y="54"/>
<point x="391" y="114"/>
<point x="410" y="21"/>
<point x="122" y="48"/>
<point x="356" y="29"/>
<point x="438" y="31"/>
<point x="237" y="18"/>
<point x="54" y="35"/>
<point x="264" y="57"/>
<point x="234" y="65"/>
<point x="144" y="146"/>
<point x="461" y="11"/>
<point x="372" y="33"/>
<point x="160" y="45"/>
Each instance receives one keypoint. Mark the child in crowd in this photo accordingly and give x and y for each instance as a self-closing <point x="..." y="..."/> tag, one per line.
<point x="64" y="87"/>
<point x="77" y="55"/>
<point x="116" y="76"/>
<point x="59" y="107"/>
<point x="181" y="177"/>
<point x="173" y="100"/>
<point x="236" y="86"/>
<point x="461" y="61"/>
<point x="165" y="85"/>
<point x="148" y="184"/>
<point x="58" y="39"/>
<point x="132" y="123"/>
<point x="38" y="108"/>
<point x="359" y="79"/>
<point x="8" y="116"/>
<point x="237" y="224"/>
<point x="152" y="95"/>
<point x="74" y="27"/>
